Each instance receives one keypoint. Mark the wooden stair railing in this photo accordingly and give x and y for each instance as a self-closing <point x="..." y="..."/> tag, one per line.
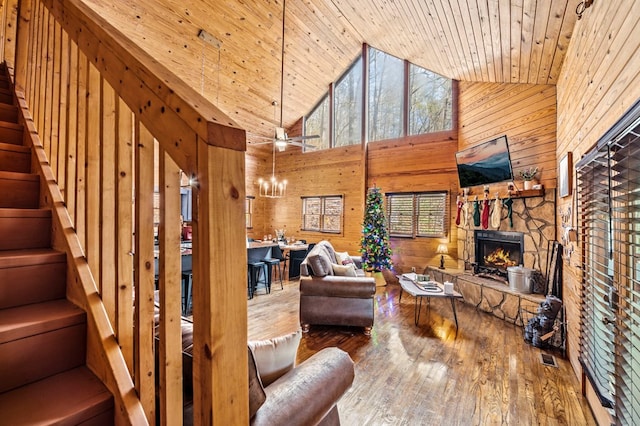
<point x="43" y="373"/>
<point x="97" y="109"/>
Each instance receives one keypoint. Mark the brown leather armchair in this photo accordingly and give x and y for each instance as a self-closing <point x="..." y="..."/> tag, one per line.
<point x="329" y="299"/>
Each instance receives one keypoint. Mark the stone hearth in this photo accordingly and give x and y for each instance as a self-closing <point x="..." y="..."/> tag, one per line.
<point x="487" y="295"/>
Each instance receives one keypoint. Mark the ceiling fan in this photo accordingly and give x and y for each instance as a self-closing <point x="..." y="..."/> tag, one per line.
<point x="280" y="138"/>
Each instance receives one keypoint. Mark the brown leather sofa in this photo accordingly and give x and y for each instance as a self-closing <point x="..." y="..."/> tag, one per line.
<point x="305" y="395"/>
<point x="329" y="299"/>
<point x="308" y="393"/>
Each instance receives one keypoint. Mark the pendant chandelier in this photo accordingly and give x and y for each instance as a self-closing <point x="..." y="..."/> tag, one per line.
<point x="274" y="188"/>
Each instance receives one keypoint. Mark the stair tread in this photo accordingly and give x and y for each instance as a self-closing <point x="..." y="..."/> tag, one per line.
<point x="10" y="125"/>
<point x="71" y="397"/>
<point x="28" y="320"/>
<point x="28" y="257"/>
<point x="24" y="213"/>
<point x="19" y="176"/>
<point x="14" y="148"/>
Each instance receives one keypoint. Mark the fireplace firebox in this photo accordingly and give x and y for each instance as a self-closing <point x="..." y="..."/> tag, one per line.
<point x="497" y="250"/>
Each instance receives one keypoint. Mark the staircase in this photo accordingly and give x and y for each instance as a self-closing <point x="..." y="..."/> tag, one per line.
<point x="43" y="374"/>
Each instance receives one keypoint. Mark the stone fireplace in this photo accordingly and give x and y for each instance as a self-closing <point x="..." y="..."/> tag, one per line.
<point x="534" y="218"/>
<point x="495" y="251"/>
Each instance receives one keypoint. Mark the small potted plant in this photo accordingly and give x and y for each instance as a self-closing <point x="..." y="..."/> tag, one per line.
<point x="528" y="176"/>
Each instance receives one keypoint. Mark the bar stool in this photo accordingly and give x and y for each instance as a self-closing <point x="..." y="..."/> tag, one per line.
<point x="271" y="263"/>
<point x="253" y="271"/>
<point x="187" y="290"/>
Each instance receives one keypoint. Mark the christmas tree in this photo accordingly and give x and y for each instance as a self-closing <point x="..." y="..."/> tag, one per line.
<point x="374" y="244"/>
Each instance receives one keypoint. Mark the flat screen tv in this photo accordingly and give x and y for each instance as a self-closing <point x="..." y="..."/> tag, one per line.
<point x="488" y="162"/>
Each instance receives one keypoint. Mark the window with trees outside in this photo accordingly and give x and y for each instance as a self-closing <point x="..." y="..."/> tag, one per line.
<point x="322" y="214"/>
<point x="430" y="101"/>
<point x="386" y="76"/>
<point x="402" y="99"/>
<point x="317" y="123"/>
<point x="348" y="107"/>
<point x="423" y="214"/>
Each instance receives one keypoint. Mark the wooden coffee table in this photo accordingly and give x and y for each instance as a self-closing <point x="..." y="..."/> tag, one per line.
<point x="416" y="289"/>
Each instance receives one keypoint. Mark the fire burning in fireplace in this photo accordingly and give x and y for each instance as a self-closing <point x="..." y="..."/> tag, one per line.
<point x="497" y="250"/>
<point x="499" y="258"/>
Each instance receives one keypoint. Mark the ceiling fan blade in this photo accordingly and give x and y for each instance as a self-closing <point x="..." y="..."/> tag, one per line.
<point x="260" y="143"/>
<point x="302" y="145"/>
<point x="302" y="138"/>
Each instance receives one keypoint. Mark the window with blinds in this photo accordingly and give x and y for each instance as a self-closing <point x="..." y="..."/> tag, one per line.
<point x="421" y="214"/>
<point x="322" y="214"/>
<point x="609" y="203"/>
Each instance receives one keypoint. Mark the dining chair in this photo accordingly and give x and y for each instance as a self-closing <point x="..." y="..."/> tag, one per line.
<point x="295" y="259"/>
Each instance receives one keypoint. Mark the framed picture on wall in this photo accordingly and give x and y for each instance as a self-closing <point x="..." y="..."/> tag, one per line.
<point x="565" y="173"/>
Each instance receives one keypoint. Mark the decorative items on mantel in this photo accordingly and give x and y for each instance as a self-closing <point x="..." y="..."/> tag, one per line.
<point x="528" y="176"/>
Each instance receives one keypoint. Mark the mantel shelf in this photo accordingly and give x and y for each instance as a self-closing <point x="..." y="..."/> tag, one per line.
<point x="527" y="193"/>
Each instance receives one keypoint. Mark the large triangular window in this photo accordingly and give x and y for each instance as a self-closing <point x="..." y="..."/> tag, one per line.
<point x="402" y="99"/>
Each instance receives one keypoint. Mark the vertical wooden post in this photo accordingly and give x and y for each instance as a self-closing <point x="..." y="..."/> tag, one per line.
<point x="9" y="36"/>
<point x="23" y="41"/>
<point x="170" y="354"/>
<point x="81" y="148"/>
<point x="47" y="93"/>
<point x="144" y="272"/>
<point x="108" y="225"/>
<point x="72" y="132"/>
<point x="62" y="118"/>
<point x="93" y="173"/>
<point x="220" y="297"/>
<point x="42" y="75"/>
<point x="34" y="44"/>
<point x="124" y="229"/>
<point x="55" y="98"/>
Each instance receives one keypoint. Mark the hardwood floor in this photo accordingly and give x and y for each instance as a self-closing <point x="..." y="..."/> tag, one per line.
<point x="424" y="375"/>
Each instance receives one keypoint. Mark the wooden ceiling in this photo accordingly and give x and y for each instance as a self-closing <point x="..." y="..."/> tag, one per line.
<point x="510" y="41"/>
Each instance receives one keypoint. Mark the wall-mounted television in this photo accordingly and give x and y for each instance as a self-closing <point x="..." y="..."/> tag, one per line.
<point x="488" y="162"/>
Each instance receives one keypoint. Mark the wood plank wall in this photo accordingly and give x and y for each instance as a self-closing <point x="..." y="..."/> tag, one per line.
<point x="526" y="113"/>
<point x="600" y="80"/>
<point x="333" y="172"/>
<point x="416" y="164"/>
<point x="257" y="162"/>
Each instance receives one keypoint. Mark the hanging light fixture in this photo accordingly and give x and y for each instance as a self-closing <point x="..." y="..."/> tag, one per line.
<point x="273" y="188"/>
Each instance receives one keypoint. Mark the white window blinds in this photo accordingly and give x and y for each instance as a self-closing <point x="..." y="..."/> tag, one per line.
<point x="421" y="214"/>
<point x="322" y="214"/>
<point x="609" y="202"/>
